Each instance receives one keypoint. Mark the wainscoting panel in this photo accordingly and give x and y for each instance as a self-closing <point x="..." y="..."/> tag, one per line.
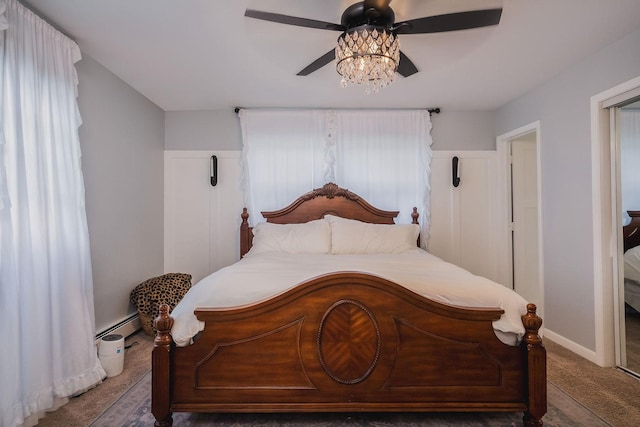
<point x="465" y="220"/>
<point x="201" y="221"/>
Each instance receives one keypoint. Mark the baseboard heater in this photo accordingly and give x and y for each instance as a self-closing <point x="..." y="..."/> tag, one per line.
<point x="125" y="328"/>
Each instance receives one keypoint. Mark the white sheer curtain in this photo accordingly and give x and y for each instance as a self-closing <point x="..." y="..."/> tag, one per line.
<point x="383" y="155"/>
<point x="629" y="161"/>
<point x="387" y="156"/>
<point x="46" y="293"/>
<point x="282" y="155"/>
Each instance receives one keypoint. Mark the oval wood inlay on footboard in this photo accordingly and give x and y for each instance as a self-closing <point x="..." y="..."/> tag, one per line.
<point x="348" y="342"/>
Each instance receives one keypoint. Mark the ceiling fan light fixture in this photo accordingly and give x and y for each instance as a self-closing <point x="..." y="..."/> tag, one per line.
<point x="367" y="55"/>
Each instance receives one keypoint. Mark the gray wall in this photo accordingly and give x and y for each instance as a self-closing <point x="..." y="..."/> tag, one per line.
<point x="463" y="130"/>
<point x="122" y="140"/>
<point x="220" y="130"/>
<point x="563" y="107"/>
<point x="202" y="130"/>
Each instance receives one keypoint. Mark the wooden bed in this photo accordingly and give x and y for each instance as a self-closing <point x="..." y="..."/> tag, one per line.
<point x="347" y="342"/>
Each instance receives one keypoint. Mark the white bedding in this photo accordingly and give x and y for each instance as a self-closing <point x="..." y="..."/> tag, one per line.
<point x="632" y="294"/>
<point x="261" y="276"/>
<point x="632" y="277"/>
<point x="632" y="264"/>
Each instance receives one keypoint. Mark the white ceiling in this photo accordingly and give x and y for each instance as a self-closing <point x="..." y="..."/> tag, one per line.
<point x="204" y="54"/>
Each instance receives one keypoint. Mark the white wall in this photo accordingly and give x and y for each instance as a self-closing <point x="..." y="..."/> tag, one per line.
<point x="465" y="220"/>
<point x="562" y="105"/>
<point x="206" y="236"/>
<point x="220" y="130"/>
<point x="122" y="140"/>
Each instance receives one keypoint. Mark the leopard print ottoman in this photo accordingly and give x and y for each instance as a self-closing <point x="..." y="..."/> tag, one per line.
<point x="149" y="295"/>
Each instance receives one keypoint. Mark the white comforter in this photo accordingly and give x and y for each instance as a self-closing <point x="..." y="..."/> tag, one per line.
<point x="632" y="277"/>
<point x="632" y="264"/>
<point x="258" y="277"/>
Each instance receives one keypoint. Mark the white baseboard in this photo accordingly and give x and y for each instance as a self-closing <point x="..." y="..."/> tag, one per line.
<point x="590" y="355"/>
<point x="125" y="328"/>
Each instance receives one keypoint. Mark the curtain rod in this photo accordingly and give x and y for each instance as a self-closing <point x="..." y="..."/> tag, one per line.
<point x="430" y="110"/>
<point x="40" y="15"/>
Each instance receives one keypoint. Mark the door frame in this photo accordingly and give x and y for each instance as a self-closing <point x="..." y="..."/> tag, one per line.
<point x="616" y="203"/>
<point x="503" y="147"/>
<point x="605" y="222"/>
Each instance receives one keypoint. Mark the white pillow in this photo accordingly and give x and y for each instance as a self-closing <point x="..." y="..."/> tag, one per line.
<point x="309" y="237"/>
<point x="349" y="236"/>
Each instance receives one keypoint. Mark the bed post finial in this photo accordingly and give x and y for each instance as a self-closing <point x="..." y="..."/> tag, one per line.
<point x="532" y="323"/>
<point x="163" y="324"/>
<point x="245" y="234"/>
<point x="160" y="364"/>
<point x="414" y="220"/>
<point x="536" y="368"/>
<point x="414" y="215"/>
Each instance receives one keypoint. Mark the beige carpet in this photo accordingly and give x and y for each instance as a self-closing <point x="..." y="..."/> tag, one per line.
<point x="610" y="393"/>
<point x="632" y="322"/>
<point x="133" y="409"/>
<point x="83" y="409"/>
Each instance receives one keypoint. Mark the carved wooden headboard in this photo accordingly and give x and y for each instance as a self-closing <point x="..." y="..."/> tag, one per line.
<point x="330" y="199"/>
<point x="631" y="231"/>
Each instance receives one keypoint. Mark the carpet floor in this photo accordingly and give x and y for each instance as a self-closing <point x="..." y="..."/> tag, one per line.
<point x="133" y="409"/>
<point x="609" y="397"/>
<point x="632" y="327"/>
<point x="609" y="392"/>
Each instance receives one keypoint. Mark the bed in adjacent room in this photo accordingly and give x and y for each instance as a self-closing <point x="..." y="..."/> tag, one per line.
<point x="631" y="242"/>
<point x="333" y="307"/>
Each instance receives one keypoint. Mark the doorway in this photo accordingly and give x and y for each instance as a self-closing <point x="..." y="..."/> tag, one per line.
<point x="520" y="151"/>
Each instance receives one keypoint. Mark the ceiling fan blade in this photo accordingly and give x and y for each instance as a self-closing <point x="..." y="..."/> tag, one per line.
<point x="318" y="63"/>
<point x="406" y="67"/>
<point x="293" y="20"/>
<point x="450" y="22"/>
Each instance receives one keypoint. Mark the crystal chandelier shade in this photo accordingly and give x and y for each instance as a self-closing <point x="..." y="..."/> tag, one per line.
<point x="367" y="55"/>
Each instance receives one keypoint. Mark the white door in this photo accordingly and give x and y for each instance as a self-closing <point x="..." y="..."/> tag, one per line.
<point x="524" y="187"/>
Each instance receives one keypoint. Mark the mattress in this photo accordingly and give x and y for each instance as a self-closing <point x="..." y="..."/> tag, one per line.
<point x="262" y="276"/>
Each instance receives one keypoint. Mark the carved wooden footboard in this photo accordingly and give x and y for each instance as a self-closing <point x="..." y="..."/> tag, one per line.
<point x="349" y="342"/>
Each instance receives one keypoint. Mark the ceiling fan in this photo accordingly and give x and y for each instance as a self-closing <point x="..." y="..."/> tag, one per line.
<point x="377" y="15"/>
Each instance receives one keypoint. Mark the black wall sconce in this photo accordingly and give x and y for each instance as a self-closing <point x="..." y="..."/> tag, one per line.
<point x="455" y="176"/>
<point x="214" y="171"/>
